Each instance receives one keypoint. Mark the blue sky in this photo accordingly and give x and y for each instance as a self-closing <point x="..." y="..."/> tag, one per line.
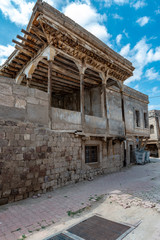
<point x="130" y="27"/>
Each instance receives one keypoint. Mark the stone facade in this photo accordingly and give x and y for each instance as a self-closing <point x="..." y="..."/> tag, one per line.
<point x="35" y="159"/>
<point x="153" y="144"/>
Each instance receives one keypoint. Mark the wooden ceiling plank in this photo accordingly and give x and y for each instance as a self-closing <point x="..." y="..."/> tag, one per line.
<point x="29" y="42"/>
<point x="53" y="86"/>
<point x="61" y="81"/>
<point x="18" y="60"/>
<point x="32" y="36"/>
<point x="25" y="46"/>
<point x="24" y="51"/>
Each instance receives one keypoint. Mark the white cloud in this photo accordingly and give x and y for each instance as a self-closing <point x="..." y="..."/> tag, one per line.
<point x="125" y="33"/>
<point x="118" y="38"/>
<point x="157" y="11"/>
<point x="154" y="55"/>
<point x="121" y="2"/>
<point x="116" y="16"/>
<point x="108" y="3"/>
<point x="155" y="90"/>
<point x="125" y="50"/>
<point x="143" y="21"/>
<point x="140" y="55"/>
<point x="87" y="16"/>
<point x="151" y="74"/>
<point x="18" y="11"/>
<point x="139" y="4"/>
<point x="5" y="51"/>
<point x="154" y="107"/>
<point x="154" y="93"/>
<point x="136" y="87"/>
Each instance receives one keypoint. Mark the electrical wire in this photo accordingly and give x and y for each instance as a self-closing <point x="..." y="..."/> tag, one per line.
<point x="155" y="96"/>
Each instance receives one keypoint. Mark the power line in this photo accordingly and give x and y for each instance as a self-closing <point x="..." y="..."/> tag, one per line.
<point x="154" y="96"/>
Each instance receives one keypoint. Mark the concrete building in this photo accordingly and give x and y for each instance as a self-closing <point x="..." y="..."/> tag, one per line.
<point x="65" y="113"/>
<point x="153" y="144"/>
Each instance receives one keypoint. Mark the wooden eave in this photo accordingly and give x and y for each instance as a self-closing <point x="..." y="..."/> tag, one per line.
<point x="47" y="26"/>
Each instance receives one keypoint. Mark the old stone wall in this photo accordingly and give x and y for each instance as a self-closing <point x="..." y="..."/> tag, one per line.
<point x="35" y="159"/>
<point x="133" y="100"/>
<point x="18" y="102"/>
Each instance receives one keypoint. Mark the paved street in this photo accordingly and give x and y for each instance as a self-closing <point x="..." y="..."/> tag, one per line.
<point x="27" y="217"/>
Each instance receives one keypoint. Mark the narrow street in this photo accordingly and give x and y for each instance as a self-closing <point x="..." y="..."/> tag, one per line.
<point x="129" y="196"/>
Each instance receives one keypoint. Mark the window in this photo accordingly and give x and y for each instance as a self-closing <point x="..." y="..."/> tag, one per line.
<point x="137" y="113"/>
<point x="91" y="154"/>
<point x="151" y="129"/>
<point x="145" y="120"/>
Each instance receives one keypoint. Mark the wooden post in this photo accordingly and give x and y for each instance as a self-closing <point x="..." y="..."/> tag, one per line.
<point x="104" y="77"/>
<point x="28" y="82"/>
<point x="105" y="103"/>
<point x="105" y="107"/>
<point x="82" y="98"/>
<point x="123" y="112"/>
<point x="50" y="93"/>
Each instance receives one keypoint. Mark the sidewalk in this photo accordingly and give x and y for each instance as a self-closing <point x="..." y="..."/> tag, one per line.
<point x="26" y="217"/>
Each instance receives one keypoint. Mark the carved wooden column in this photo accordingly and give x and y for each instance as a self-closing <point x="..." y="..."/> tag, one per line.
<point x="50" y="92"/>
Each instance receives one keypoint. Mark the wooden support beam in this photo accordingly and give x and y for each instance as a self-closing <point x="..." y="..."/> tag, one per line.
<point x="24" y="51"/>
<point x="58" y="82"/>
<point x="43" y="76"/>
<point x="19" y="60"/>
<point x="2" y="73"/>
<point x="70" y="74"/>
<point x="43" y="68"/>
<point x="123" y="111"/>
<point x="24" y="46"/>
<point x="23" y="57"/>
<point x="82" y="99"/>
<point x="15" y="64"/>
<point x="32" y="36"/>
<point x="12" y="68"/>
<point x="38" y="32"/>
<point x="38" y="83"/>
<point x="50" y="92"/>
<point x="104" y="76"/>
<point x="29" y="42"/>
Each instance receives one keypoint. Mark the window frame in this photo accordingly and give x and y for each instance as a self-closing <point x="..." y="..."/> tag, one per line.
<point x="97" y="153"/>
<point x="145" y="119"/>
<point x="137" y="123"/>
<point x="150" y="129"/>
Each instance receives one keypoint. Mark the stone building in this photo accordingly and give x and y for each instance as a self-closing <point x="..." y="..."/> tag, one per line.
<point x="65" y="113"/>
<point x="153" y="144"/>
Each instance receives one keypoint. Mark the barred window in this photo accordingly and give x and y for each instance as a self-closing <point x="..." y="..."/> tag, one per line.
<point x="91" y="154"/>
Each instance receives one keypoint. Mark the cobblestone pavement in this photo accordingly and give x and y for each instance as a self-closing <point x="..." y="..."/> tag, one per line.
<point x="137" y="185"/>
